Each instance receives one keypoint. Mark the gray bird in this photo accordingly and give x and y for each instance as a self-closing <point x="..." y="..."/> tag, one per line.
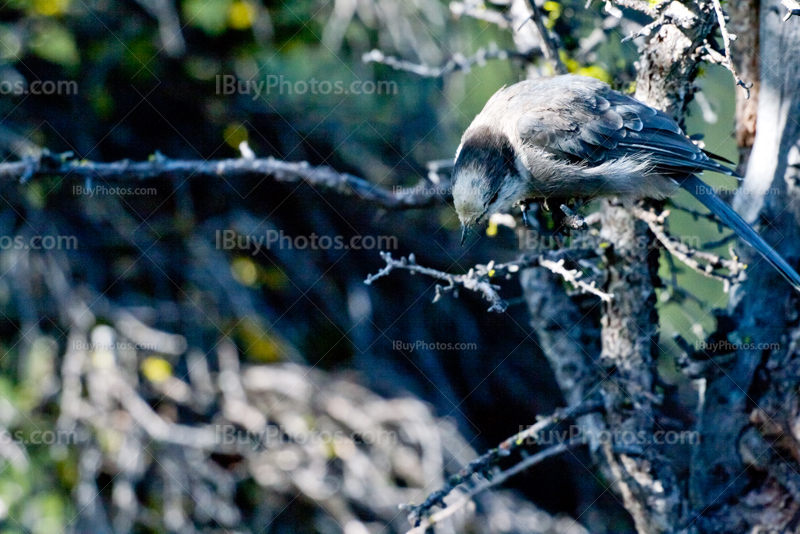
<point x="575" y="137"/>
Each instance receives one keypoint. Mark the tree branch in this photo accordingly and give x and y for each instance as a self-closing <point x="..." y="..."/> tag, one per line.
<point x="478" y="277"/>
<point x="482" y="464"/>
<point x="549" y="46"/>
<point x="456" y="63"/>
<point x="484" y="485"/>
<point x="49" y="164"/>
<point x="726" y="41"/>
<point x="689" y="256"/>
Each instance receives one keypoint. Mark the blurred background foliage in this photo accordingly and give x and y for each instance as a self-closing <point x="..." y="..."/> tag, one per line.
<point x="148" y="74"/>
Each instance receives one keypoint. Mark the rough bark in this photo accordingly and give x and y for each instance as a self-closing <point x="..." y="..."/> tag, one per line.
<point x="744" y="23"/>
<point x="648" y="484"/>
<point x="750" y="412"/>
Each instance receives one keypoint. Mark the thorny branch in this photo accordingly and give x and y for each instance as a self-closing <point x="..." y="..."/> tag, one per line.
<point x="573" y="277"/>
<point x="483" y="464"/>
<point x="497" y="479"/>
<point x="690" y="256"/>
<point x="456" y="63"/>
<point x="478" y="279"/>
<point x="641" y="6"/>
<point x="479" y="12"/>
<point x="647" y="29"/>
<point x="726" y="41"/>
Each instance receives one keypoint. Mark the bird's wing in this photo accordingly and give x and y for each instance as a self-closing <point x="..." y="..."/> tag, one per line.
<point x="594" y="124"/>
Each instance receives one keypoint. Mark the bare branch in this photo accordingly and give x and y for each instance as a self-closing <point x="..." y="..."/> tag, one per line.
<point x="690" y="256"/>
<point x="478" y="277"/>
<point x="573" y="277"/>
<point x="473" y="280"/>
<point x="711" y="245"/>
<point x="471" y="9"/>
<point x="637" y="5"/>
<point x="482" y="464"/>
<point x="48" y="164"/>
<point x="456" y="63"/>
<point x="169" y="25"/>
<point x="549" y="46"/>
<point x="726" y="41"/>
<point x="484" y="485"/>
<point x="698" y="214"/>
<point x="647" y="29"/>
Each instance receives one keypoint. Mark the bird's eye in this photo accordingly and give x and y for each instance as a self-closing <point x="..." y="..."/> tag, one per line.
<point x="494" y="198"/>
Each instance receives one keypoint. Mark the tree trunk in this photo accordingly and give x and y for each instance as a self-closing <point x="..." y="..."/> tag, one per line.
<point x="742" y="422"/>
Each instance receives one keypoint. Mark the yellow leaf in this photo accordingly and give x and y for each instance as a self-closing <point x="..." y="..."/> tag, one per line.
<point x="551" y="6"/>
<point x="234" y="134"/>
<point x="241" y="15"/>
<point x="593" y="71"/>
<point x="156" y="369"/>
<point x="570" y="63"/>
<point x="50" y="8"/>
<point x="244" y="271"/>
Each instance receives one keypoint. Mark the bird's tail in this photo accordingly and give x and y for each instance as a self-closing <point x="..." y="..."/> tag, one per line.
<point x="718" y="207"/>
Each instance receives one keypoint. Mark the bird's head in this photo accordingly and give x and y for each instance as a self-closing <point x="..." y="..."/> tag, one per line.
<point x="485" y="177"/>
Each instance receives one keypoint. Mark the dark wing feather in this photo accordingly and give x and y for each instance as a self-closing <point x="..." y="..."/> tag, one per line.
<point x="587" y="121"/>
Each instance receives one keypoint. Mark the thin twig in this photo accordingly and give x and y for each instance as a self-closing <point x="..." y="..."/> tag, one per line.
<point x="698" y="214"/>
<point x="469" y="9"/>
<point x="456" y="63"/>
<point x="484" y="485"/>
<point x="649" y="28"/>
<point x="711" y="245"/>
<point x="572" y="219"/>
<point x="726" y="41"/>
<point x="549" y="46"/>
<point x="690" y="256"/>
<point x="478" y="277"/>
<point x="641" y="6"/>
<point x="481" y="464"/>
<point x="573" y="277"/>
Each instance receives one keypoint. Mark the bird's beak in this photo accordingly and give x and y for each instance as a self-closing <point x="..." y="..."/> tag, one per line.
<point x="464" y="232"/>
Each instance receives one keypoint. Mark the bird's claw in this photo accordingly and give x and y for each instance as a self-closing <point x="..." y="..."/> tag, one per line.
<point x="572" y="219"/>
<point x="523" y="207"/>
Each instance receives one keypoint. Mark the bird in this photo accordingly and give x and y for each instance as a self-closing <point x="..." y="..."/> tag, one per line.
<point x="572" y="136"/>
